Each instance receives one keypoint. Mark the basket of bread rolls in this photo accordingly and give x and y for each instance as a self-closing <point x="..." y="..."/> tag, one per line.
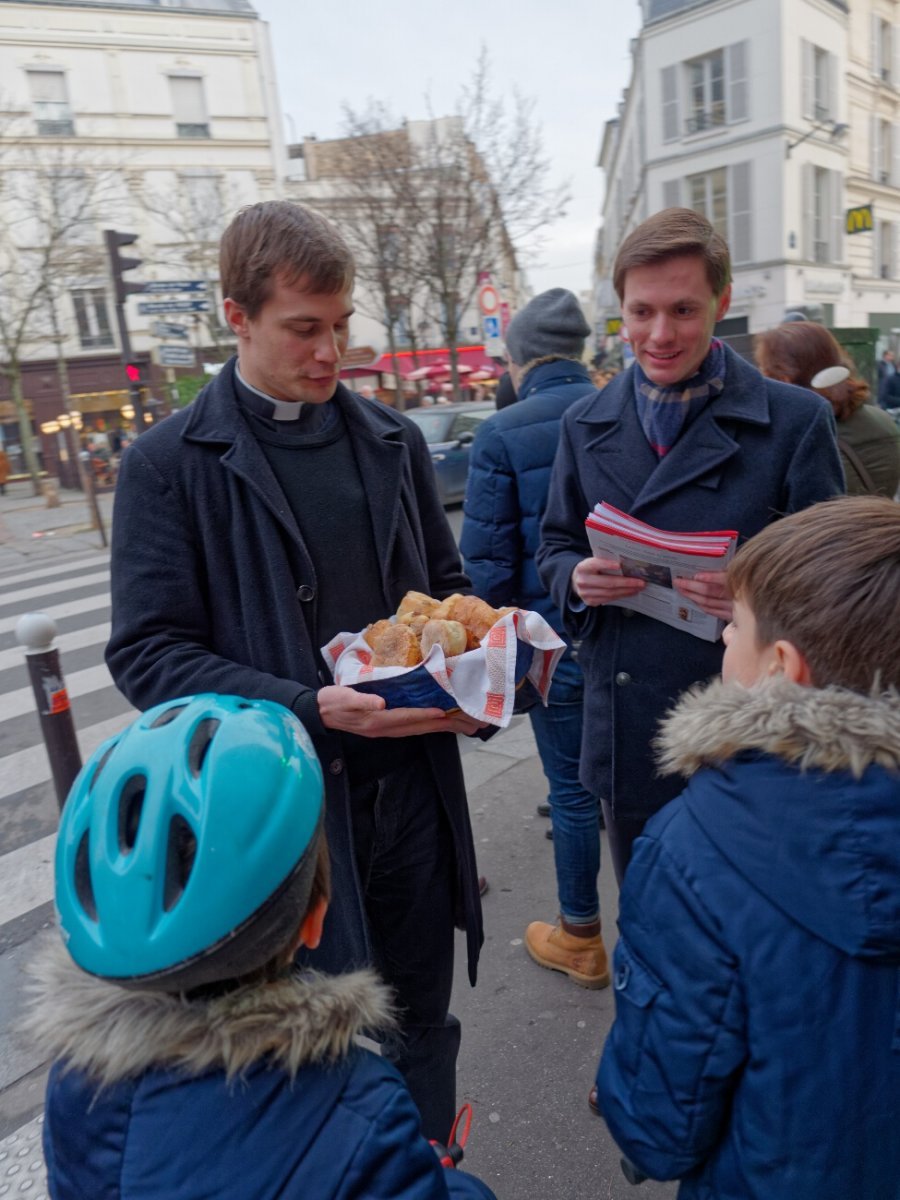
<point x="456" y="652"/>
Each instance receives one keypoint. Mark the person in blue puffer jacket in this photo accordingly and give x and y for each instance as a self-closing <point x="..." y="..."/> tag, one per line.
<point x="755" y="1053"/>
<point x="192" y="1057"/>
<point x="506" y="495"/>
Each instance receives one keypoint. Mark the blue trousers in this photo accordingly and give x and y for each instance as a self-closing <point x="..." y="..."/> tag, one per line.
<point x="576" y="813"/>
<point x="407" y="867"/>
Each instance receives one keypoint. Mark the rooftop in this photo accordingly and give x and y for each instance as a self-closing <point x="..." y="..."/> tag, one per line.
<point x="658" y="10"/>
<point x="219" y="6"/>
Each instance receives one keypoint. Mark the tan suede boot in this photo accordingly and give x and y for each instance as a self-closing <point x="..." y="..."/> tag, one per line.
<point x="581" y="955"/>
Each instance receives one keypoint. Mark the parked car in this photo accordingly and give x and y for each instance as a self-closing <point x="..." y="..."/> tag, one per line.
<point x="449" y="430"/>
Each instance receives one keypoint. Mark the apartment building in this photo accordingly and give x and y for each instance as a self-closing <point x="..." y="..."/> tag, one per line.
<point x="156" y="117"/>
<point x="740" y="109"/>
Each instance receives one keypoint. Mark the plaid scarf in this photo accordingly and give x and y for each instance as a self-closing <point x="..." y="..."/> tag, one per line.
<point x="664" y="411"/>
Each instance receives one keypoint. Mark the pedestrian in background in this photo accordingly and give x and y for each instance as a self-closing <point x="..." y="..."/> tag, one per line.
<point x="754" y="1054"/>
<point x="868" y="439"/>
<point x="888" y="382"/>
<point x="506" y="495"/>
<point x="4" y="470"/>
<point x="689" y="437"/>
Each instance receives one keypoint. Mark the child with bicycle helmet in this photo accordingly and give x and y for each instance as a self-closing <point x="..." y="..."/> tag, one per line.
<point x="191" y="1058"/>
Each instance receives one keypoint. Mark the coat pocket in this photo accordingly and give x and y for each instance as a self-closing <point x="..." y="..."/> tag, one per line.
<point x="636" y="989"/>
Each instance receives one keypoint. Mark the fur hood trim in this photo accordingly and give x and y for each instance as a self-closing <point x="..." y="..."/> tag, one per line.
<point x="829" y="729"/>
<point x="113" y="1033"/>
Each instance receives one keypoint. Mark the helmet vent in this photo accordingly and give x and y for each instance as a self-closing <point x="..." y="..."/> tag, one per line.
<point x="180" y="854"/>
<point x="166" y="717"/>
<point x="84" y="889"/>
<point x="101" y="764"/>
<point x="131" y="805"/>
<point x="200" y="743"/>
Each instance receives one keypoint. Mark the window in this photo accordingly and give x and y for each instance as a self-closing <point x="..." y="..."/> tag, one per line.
<point x="92" y="318"/>
<point x="711" y="90"/>
<point x="706" y="92"/>
<point x="822" y="214"/>
<point x="189" y="106"/>
<point x="885" y="138"/>
<point x="708" y="194"/>
<point x="69" y="210"/>
<point x="819" y="82"/>
<point x="882" y="50"/>
<point x="50" y="104"/>
<point x="724" y="197"/>
<point x="203" y="205"/>
<point x="885" y="250"/>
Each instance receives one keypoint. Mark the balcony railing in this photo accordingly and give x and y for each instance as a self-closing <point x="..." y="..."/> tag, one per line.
<point x="705" y="120"/>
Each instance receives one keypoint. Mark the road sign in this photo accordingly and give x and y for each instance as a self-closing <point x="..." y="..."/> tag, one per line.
<point x="175" y="285"/>
<point x="488" y="300"/>
<point x="493" y="344"/>
<point x="175" y="356"/>
<point x="163" y="306"/>
<point x="162" y="329"/>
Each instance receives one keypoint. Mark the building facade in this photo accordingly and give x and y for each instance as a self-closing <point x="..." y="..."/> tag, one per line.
<point x="773" y="118"/>
<point x="155" y="117"/>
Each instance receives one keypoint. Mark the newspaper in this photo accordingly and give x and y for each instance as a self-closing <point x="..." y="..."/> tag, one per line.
<point x="657" y="556"/>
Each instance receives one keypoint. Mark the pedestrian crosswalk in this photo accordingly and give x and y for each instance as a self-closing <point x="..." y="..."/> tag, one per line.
<point x="74" y="591"/>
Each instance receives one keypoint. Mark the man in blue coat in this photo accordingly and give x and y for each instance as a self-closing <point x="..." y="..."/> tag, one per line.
<point x="278" y="510"/>
<point x="509" y="475"/>
<point x="690" y="437"/>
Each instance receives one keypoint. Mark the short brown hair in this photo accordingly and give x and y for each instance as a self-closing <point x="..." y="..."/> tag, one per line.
<point x="672" y="233"/>
<point x="798" y="350"/>
<point x="827" y="579"/>
<point x="277" y="238"/>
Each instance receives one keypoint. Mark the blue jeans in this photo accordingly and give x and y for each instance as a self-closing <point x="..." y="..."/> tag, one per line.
<point x="576" y="813"/>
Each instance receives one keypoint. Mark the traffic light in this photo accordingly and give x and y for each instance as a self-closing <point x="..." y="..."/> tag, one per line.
<point x="119" y="263"/>
<point x="133" y="371"/>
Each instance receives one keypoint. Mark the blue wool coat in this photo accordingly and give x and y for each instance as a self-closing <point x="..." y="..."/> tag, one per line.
<point x="213" y="590"/>
<point x="257" y="1094"/>
<point x="755" y="1052"/>
<point x="759" y="451"/>
<point x="506" y="494"/>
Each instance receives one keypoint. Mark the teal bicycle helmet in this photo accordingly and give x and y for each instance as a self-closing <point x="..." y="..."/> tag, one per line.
<point x="187" y="845"/>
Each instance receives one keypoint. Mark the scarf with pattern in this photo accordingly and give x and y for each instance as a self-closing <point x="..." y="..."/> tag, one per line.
<point x="664" y="411"/>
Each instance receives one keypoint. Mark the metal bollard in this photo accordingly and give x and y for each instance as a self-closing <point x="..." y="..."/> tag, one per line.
<point x="36" y="631"/>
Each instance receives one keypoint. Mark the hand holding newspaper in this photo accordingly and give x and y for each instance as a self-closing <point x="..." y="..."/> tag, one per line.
<point x="658" y="556"/>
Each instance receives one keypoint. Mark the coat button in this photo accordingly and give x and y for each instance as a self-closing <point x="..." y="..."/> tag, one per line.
<point x="305" y="592"/>
<point x="623" y="974"/>
<point x="623" y="679"/>
<point x="336" y="766"/>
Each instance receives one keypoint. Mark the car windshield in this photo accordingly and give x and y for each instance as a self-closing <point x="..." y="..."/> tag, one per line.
<point x="433" y="425"/>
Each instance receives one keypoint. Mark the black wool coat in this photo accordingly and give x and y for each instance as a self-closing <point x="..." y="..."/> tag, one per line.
<point x="213" y="590"/>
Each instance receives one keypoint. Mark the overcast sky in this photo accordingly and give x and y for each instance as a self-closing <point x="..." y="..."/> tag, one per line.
<point x="571" y="58"/>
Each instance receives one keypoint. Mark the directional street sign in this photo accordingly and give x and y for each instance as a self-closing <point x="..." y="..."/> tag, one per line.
<point x="176" y="356"/>
<point x="175" y="285"/>
<point x="162" y="329"/>
<point x="164" y="306"/>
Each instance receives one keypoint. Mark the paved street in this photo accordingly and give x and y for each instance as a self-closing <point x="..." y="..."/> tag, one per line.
<point x="530" y="1039"/>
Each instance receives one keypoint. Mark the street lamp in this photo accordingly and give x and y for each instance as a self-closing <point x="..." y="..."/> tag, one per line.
<point x="127" y="411"/>
<point x="836" y="131"/>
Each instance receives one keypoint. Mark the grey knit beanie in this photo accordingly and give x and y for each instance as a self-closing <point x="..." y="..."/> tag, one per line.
<point x="551" y="323"/>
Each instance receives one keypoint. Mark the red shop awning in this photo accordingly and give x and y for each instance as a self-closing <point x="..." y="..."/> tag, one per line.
<point x="470" y="356"/>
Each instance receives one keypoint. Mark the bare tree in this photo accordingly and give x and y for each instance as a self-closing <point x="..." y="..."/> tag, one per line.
<point x="53" y="198"/>
<point x="461" y="196"/>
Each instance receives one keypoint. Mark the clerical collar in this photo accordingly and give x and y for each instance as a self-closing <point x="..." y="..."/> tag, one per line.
<point x="277" y="410"/>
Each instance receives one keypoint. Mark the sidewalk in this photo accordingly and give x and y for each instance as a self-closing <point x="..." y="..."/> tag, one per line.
<point x="29" y="530"/>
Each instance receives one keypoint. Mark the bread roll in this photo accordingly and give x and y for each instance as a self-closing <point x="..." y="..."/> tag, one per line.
<point x="475" y="614"/>
<point x="417" y="602"/>
<point x="449" y="635"/>
<point x="376" y="631"/>
<point x="416" y="621"/>
<point x="396" y="646"/>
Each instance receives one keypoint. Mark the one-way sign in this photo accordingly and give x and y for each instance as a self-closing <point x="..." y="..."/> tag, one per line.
<point x="175" y="285"/>
<point x="162" y="329"/>
<point x="164" y="306"/>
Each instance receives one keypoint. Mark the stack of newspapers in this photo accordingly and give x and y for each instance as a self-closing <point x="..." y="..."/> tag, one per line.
<point x="657" y="556"/>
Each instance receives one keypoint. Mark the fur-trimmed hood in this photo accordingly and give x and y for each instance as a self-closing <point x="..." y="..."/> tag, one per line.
<point x="113" y="1033"/>
<point x="831" y="729"/>
<point x="799" y="789"/>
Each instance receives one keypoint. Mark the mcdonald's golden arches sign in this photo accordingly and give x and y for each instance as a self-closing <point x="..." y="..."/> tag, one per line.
<point x="859" y="220"/>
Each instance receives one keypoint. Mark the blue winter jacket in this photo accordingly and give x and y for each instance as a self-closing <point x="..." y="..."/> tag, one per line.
<point x="756" y="1048"/>
<point x="506" y="494"/>
<point x="256" y="1095"/>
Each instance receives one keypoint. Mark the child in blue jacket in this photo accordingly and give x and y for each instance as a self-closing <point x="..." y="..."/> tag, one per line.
<point x="755" y="1053"/>
<point x="192" y="1059"/>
